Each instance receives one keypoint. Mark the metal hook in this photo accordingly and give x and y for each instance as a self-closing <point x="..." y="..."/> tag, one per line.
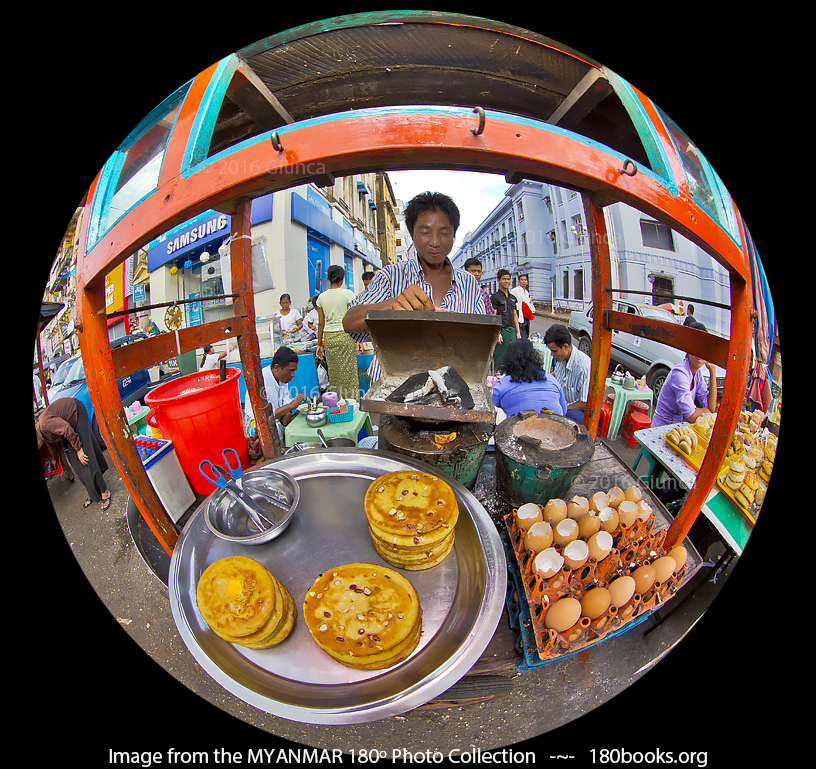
<point x="276" y="142"/>
<point x="628" y="163"/>
<point x="480" y="112"/>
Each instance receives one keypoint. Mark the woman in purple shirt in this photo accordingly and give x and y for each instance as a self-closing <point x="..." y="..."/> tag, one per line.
<point x="684" y="389"/>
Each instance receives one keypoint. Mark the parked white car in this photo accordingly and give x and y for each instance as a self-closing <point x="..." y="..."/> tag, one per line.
<point x="636" y="354"/>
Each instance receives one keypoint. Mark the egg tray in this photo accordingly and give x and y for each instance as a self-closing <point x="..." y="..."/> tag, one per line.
<point x="633" y="547"/>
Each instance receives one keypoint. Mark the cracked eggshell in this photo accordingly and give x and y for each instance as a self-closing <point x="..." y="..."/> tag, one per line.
<point x="598" y="501"/>
<point x="554" y="511"/>
<point x="576" y="554"/>
<point x="627" y="513"/>
<point x="548" y="562"/>
<point x="527" y="515"/>
<point x="609" y="519"/>
<point x="644" y="510"/>
<point x="538" y="537"/>
<point x="615" y="496"/>
<point x="600" y="544"/>
<point x="578" y="506"/>
<point x="565" y="531"/>
<point x="632" y="494"/>
<point x="588" y="525"/>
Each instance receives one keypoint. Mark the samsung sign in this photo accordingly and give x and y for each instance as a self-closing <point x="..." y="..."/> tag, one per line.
<point x="187" y="237"/>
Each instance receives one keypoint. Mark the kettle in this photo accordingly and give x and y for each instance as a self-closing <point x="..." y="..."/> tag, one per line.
<point x="628" y="382"/>
<point x="617" y="376"/>
<point x="316" y="415"/>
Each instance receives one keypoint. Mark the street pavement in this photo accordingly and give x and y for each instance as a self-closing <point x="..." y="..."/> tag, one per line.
<point x="110" y="658"/>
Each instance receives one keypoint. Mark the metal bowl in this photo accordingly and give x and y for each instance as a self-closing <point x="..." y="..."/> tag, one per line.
<point x="228" y="519"/>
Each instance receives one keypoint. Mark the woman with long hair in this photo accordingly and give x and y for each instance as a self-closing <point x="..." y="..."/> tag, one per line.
<point x="332" y="341"/>
<point x="525" y="384"/>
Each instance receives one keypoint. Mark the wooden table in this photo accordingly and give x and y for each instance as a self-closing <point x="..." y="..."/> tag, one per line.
<point x="729" y="522"/>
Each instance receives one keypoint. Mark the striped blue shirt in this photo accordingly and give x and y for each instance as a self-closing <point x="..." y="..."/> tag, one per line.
<point x="573" y="374"/>
<point x="464" y="294"/>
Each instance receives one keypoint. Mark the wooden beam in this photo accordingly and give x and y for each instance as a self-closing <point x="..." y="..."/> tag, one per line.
<point x="590" y="92"/>
<point x="250" y="93"/>
<point x="602" y="302"/>
<point x="710" y="347"/>
<point x="104" y="394"/>
<point x="154" y="349"/>
<point x="248" y="344"/>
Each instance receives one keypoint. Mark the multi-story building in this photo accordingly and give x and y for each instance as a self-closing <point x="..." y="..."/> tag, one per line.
<point x="387" y="222"/>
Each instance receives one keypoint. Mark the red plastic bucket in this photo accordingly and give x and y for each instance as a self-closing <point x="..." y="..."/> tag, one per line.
<point x="201" y="416"/>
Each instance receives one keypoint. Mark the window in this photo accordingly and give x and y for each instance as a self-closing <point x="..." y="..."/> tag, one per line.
<point x="656" y="235"/>
<point x="520" y="209"/>
<point x="577" y="228"/>
<point x="662" y="289"/>
<point x="132" y="172"/>
<point x="566" y="284"/>
<point x="554" y="242"/>
<point x="578" y="284"/>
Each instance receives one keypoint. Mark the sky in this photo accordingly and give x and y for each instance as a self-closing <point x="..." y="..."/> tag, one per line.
<point x="476" y="194"/>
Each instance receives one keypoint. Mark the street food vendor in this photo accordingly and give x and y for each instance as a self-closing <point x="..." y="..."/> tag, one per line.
<point x="66" y="419"/>
<point x="276" y="377"/>
<point x="686" y="395"/>
<point x="428" y="281"/>
<point x="572" y="370"/>
<point x="525" y="384"/>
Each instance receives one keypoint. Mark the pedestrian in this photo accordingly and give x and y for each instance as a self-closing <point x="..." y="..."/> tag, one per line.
<point x="368" y="276"/>
<point x="526" y="309"/>
<point x="506" y="306"/>
<point x="474" y="267"/>
<point x="686" y="395"/>
<point x="689" y="316"/>
<point x="333" y="342"/>
<point x="290" y="321"/>
<point x="210" y="358"/>
<point x="308" y="332"/>
<point x="67" y="420"/>
<point x="525" y="384"/>
<point x="572" y="370"/>
<point x="426" y="281"/>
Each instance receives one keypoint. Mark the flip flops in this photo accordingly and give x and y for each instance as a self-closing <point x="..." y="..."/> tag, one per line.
<point x="106" y="501"/>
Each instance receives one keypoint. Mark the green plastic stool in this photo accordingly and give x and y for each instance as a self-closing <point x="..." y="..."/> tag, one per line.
<point x="651" y="461"/>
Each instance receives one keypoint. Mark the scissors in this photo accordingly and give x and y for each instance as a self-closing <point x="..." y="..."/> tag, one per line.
<point x="233" y="488"/>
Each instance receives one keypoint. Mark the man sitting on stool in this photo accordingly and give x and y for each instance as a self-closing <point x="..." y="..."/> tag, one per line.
<point x="572" y="369"/>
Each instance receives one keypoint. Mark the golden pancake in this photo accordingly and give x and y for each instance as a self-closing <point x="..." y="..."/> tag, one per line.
<point x="286" y="625"/>
<point x="235" y="595"/>
<point x="408" y="502"/>
<point x="421" y="539"/>
<point x="271" y="626"/>
<point x="379" y="660"/>
<point x="415" y="561"/>
<point x="361" y="603"/>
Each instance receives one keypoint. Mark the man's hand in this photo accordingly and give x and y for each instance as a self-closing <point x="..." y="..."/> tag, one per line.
<point x="413" y="298"/>
<point x="83" y="457"/>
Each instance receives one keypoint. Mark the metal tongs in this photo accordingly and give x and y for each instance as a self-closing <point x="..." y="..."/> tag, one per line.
<point x="234" y="489"/>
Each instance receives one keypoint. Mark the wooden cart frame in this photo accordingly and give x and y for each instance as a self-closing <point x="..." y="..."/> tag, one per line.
<point x="491" y="135"/>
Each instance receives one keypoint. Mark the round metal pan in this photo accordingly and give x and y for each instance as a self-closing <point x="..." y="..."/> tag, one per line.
<point x="461" y="598"/>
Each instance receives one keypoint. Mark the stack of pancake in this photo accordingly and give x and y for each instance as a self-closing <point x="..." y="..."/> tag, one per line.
<point x="411" y="517"/>
<point x="244" y="604"/>
<point x="366" y="616"/>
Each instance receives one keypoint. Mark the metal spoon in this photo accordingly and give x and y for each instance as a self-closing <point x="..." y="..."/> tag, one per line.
<point x="322" y="439"/>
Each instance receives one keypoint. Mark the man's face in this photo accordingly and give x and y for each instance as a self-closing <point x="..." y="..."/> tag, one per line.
<point x="475" y="270"/>
<point x="559" y="354"/>
<point x="504" y="282"/>
<point x="433" y="237"/>
<point x="284" y="374"/>
<point x="695" y="361"/>
<point x="523" y="281"/>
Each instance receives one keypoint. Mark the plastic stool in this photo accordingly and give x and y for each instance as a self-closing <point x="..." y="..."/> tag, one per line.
<point x="635" y="421"/>
<point x="637" y="406"/>
<point x="651" y="460"/>
<point x="604" y="419"/>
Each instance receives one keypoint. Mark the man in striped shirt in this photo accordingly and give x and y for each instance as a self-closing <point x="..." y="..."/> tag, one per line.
<point x="429" y="282"/>
<point x="572" y="368"/>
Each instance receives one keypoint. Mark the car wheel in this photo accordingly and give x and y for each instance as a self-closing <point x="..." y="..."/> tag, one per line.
<point x="585" y="345"/>
<point x="656" y="381"/>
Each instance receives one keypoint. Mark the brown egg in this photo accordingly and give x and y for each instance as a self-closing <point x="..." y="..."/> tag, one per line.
<point x="609" y="519"/>
<point x="600" y="544"/>
<point x="644" y="510"/>
<point x="577" y="507"/>
<point x="621" y="590"/>
<point x="627" y="513"/>
<point x="548" y="562"/>
<point x="576" y="554"/>
<point x="633" y="494"/>
<point x="644" y="577"/>
<point x="588" y="525"/>
<point x="565" y="531"/>
<point x="554" y="511"/>
<point x="679" y="555"/>
<point x="563" y="614"/>
<point x="664" y="568"/>
<point x="595" y="602"/>
<point x="538" y="537"/>
<point x="527" y="515"/>
<point x="598" y="501"/>
<point x="616" y="496"/>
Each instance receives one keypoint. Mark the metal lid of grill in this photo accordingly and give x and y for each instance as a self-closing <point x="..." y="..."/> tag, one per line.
<point x="408" y="343"/>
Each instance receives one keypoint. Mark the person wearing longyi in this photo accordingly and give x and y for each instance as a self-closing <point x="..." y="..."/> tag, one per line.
<point x="427" y="282"/>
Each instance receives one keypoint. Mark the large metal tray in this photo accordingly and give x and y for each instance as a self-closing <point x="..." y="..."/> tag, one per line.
<point x="461" y="598"/>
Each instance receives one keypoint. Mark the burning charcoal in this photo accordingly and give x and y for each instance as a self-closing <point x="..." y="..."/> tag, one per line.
<point x="443" y="386"/>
